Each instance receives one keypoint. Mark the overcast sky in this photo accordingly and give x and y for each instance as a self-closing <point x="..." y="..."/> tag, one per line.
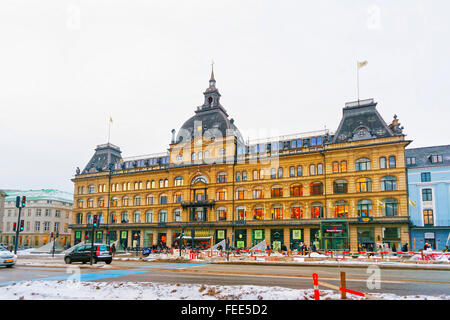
<point x="281" y="66"/>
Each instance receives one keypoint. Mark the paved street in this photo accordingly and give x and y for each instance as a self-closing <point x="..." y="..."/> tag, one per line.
<point x="400" y="282"/>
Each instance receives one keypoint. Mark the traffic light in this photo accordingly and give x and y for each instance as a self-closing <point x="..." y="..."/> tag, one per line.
<point x="14" y="226"/>
<point x="21" y="225"/>
<point x="182" y="232"/>
<point x="51" y="235"/>
<point x="135" y="236"/>
<point x="57" y="234"/>
<point x="18" y="202"/>
<point x="95" y="222"/>
<point x="24" y="201"/>
<point x="86" y="236"/>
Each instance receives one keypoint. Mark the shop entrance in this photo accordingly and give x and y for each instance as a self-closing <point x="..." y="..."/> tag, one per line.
<point x="221" y="234"/>
<point x="296" y="238"/>
<point x="123" y="239"/>
<point x="335" y="235"/>
<point x="366" y="239"/>
<point x="314" y="238"/>
<point x="257" y="236"/>
<point x="276" y="239"/>
<point x="241" y="238"/>
<point x="135" y="239"/>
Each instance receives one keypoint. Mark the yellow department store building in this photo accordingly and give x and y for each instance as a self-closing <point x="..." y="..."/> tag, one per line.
<point x="342" y="190"/>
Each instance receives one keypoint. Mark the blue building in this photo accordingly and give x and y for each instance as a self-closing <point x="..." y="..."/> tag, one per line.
<point x="429" y="196"/>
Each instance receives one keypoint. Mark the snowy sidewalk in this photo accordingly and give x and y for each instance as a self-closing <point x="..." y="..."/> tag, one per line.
<point x="67" y="290"/>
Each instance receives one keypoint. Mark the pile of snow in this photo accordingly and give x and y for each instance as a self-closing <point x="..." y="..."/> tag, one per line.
<point x="317" y="255"/>
<point x="67" y="290"/>
<point x="432" y="255"/>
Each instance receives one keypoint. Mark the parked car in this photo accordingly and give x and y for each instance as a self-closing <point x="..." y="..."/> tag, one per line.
<point x="7" y="258"/>
<point x="102" y="252"/>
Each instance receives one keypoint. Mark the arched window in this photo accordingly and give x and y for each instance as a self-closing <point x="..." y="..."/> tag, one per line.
<point x="388" y="183"/>
<point x="166" y="183"/>
<point x="312" y="170"/>
<point x="382" y="163"/>
<point x="292" y="171"/>
<point x="261" y="174"/>
<point x="276" y="192"/>
<point x="273" y="173"/>
<point x="162" y="216"/>
<point x="280" y="173"/>
<point x="177" y="215"/>
<point x="193" y="156"/>
<point x="221" y="214"/>
<point x="113" y="218"/>
<point x="296" y="190"/>
<point x="178" y="181"/>
<point x="362" y="164"/>
<point x="341" y="209"/>
<point x="258" y="213"/>
<point x="80" y="203"/>
<point x="299" y="171"/>
<point x="137" y="217"/>
<point x="153" y="185"/>
<point x="137" y="200"/>
<point x="221" y="195"/>
<point x="244" y="175"/>
<point x="316" y="210"/>
<point x="136" y="185"/>
<point x="240" y="213"/>
<point x="390" y="207"/>
<point x="316" y="188"/>
<point x="149" y="200"/>
<point x="149" y="216"/>
<point x="258" y="193"/>
<point x="124" y="218"/>
<point x="340" y="186"/>
<point x="177" y="197"/>
<point x="320" y="168"/>
<point x="221" y="177"/>
<point x="392" y="162"/>
<point x="240" y="194"/>
<point x="255" y="175"/>
<point x="343" y="166"/>
<point x="148" y="185"/>
<point x="114" y="202"/>
<point x="113" y="187"/>
<point x="297" y="212"/>
<point x="200" y="155"/>
<point x="89" y="218"/>
<point x="79" y="219"/>
<point x="335" y="167"/>
<point x="90" y="203"/>
<point x="277" y="212"/>
<point x="101" y="202"/>
<point x="364" y="208"/>
<point x="163" y="199"/>
<point x="161" y="183"/>
<point x="125" y="201"/>
<point x="364" y="185"/>
<point x="238" y="176"/>
<point x="124" y="186"/>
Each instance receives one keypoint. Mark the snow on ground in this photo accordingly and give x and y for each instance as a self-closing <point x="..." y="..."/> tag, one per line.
<point x="63" y="290"/>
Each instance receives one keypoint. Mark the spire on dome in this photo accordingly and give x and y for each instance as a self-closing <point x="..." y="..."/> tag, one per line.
<point x="212" y="81"/>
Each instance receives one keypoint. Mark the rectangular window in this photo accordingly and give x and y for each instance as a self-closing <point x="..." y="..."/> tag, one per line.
<point x="428" y="217"/>
<point x="427" y="195"/>
<point x="425" y="176"/>
<point x="277" y="193"/>
<point x="37" y="226"/>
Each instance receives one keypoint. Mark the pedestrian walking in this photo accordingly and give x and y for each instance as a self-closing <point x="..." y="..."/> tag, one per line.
<point x="113" y="249"/>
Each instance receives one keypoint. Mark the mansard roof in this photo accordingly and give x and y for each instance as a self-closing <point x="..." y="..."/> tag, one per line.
<point x="424" y="156"/>
<point x="362" y="121"/>
<point x="105" y="155"/>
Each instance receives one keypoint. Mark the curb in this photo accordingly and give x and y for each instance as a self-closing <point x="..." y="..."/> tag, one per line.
<point x="296" y="264"/>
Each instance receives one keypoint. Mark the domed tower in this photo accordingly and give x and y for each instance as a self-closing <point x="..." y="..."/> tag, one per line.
<point x="209" y="134"/>
<point x="210" y="119"/>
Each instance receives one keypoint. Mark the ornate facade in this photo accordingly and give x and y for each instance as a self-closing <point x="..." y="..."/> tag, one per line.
<point x="345" y="190"/>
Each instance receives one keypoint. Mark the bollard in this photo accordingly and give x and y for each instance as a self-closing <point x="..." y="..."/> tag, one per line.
<point x="316" y="286"/>
<point x="343" y="293"/>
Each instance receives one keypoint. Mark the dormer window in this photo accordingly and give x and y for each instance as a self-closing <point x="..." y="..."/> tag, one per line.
<point x="436" y="158"/>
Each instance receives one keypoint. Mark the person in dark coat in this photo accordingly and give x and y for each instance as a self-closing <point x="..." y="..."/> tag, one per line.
<point x="113" y="249"/>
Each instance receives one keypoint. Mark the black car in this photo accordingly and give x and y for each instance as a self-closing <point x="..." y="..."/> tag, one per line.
<point x="102" y="252"/>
